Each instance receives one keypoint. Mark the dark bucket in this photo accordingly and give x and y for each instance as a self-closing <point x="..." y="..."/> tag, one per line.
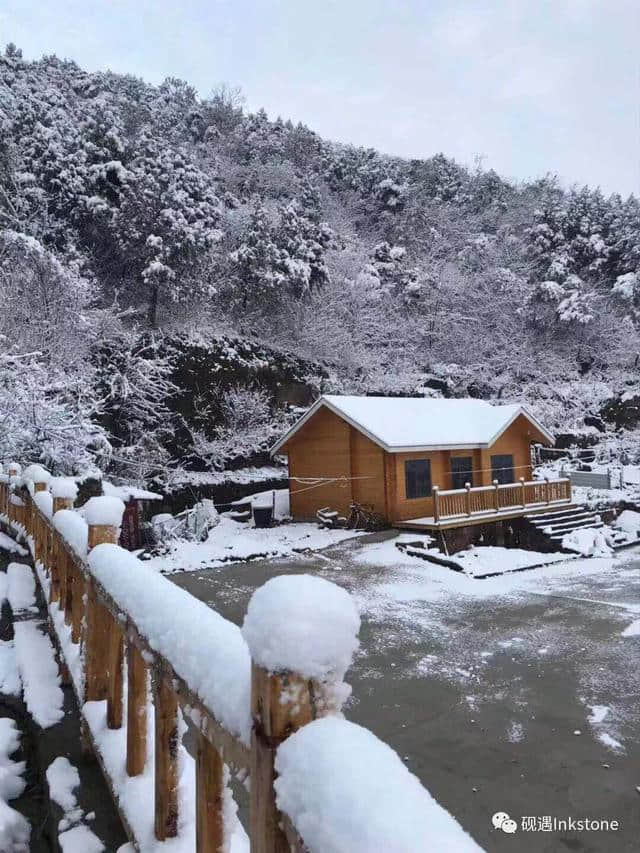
<point x="262" y="516"/>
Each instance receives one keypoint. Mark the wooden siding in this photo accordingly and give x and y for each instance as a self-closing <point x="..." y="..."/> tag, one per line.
<point x="367" y="469"/>
<point x="320" y="449"/>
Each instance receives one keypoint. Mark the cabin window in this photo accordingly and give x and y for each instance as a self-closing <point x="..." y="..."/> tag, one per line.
<point x="502" y="468"/>
<point x="461" y="471"/>
<point x="417" y="475"/>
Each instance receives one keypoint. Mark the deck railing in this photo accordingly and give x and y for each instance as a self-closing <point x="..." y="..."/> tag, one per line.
<point x="478" y="501"/>
<point x="105" y="608"/>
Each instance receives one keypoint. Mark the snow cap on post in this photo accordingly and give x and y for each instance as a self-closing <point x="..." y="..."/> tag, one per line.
<point x="302" y="624"/>
<point x="73" y="528"/>
<point x="14" y="469"/>
<point x="104" y="517"/>
<point x="63" y="487"/>
<point x="37" y="475"/>
<point x="44" y="502"/>
<point x="64" y="491"/>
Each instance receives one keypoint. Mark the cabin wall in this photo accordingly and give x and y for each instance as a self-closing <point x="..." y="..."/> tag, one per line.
<point x="517" y="441"/>
<point x="368" y="472"/>
<point x="417" y="507"/>
<point x="320" y="449"/>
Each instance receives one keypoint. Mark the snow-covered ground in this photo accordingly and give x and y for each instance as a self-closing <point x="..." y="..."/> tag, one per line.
<point x="233" y="541"/>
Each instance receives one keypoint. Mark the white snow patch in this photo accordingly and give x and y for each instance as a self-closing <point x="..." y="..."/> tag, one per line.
<point x="610" y="742"/>
<point x="347" y="792"/>
<point x="588" y="542"/>
<point x="21" y="587"/>
<point x="80" y="839"/>
<point x="598" y="713"/>
<point x="14" y="829"/>
<point x="10" y="545"/>
<point x="63" y="778"/>
<point x="632" y="630"/>
<point x="39" y="673"/>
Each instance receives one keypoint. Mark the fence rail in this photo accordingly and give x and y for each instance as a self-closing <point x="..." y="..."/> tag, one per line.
<point x="103" y="616"/>
<point x="500" y="497"/>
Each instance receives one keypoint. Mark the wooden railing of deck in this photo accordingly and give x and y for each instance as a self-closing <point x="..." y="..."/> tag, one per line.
<point x="500" y="497"/>
<point x="108" y="636"/>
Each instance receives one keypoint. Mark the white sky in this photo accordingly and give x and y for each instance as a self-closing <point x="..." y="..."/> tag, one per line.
<point x="532" y="85"/>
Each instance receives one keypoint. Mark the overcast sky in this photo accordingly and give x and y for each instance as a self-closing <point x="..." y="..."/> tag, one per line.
<point x="534" y="86"/>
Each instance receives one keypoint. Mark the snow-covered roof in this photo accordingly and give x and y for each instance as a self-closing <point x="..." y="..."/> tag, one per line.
<point x="403" y="424"/>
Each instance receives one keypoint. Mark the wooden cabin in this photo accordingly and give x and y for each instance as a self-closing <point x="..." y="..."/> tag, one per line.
<point x="416" y="461"/>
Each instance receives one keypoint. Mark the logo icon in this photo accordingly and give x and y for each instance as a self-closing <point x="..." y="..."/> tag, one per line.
<point x="501" y="820"/>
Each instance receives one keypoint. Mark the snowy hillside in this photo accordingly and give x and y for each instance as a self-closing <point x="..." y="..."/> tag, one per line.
<point x="177" y="275"/>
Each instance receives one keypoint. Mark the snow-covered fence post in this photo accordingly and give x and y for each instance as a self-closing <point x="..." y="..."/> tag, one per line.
<point x="103" y="651"/>
<point x="496" y="496"/>
<point x="523" y="499"/>
<point x="302" y="632"/>
<point x="547" y="491"/>
<point x="436" y="504"/>
<point x="467" y="498"/>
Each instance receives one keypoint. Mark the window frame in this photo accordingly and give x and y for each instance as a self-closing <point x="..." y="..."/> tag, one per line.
<point x="497" y="468"/>
<point x="429" y="483"/>
<point x="467" y="472"/>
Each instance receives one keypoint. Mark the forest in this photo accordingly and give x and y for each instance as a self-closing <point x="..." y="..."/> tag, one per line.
<point x="178" y="276"/>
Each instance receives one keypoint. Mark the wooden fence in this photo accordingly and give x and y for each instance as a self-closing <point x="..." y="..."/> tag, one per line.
<point x="499" y="497"/>
<point x="280" y="702"/>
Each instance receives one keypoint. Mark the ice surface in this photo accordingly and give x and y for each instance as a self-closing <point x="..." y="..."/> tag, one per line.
<point x="303" y="624"/>
<point x="348" y="792"/>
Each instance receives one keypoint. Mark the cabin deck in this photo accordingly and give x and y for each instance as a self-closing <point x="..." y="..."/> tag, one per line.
<point x="486" y="504"/>
<point x="429" y="523"/>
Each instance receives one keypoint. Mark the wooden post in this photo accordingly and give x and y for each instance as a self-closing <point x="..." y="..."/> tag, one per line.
<point x="546" y="490"/>
<point x="115" y="652"/>
<point x="98" y="625"/>
<point x="72" y="587"/>
<point x="77" y="604"/>
<point x="467" y="498"/>
<point x="280" y="704"/>
<point x="166" y="758"/>
<point x="136" y="710"/>
<point x="436" y="504"/>
<point x="524" y="497"/>
<point x="54" y="568"/>
<point x="62" y="503"/>
<point x="209" y="798"/>
<point x="496" y="496"/>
